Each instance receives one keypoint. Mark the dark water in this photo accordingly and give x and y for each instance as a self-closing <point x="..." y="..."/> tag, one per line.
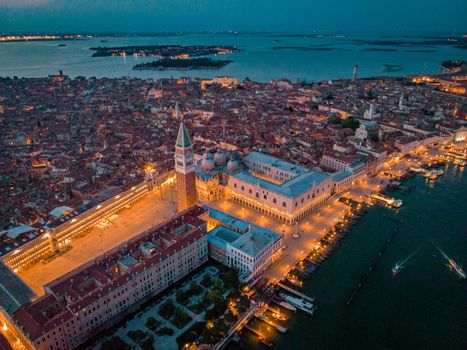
<point x="425" y="307"/>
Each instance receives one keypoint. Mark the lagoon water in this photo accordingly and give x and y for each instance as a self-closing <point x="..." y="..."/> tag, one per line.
<point x="424" y="307"/>
<point x="266" y="57"/>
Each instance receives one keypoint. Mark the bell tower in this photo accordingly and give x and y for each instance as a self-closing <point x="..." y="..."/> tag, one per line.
<point x="185" y="169"/>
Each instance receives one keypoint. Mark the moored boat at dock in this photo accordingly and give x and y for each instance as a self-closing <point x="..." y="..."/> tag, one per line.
<point x="287" y="306"/>
<point x="459" y="162"/>
<point x="300" y="303"/>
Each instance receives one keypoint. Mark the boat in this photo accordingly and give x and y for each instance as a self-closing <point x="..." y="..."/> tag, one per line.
<point x="401" y="263"/>
<point x="452" y="264"/>
<point x="393" y="67"/>
<point x="302" y="304"/>
<point x="460" y="162"/>
<point x="457" y="268"/>
<point x="417" y="169"/>
<point x="397" y="268"/>
<point x="279" y="316"/>
<point x="431" y="175"/>
<point x="392" y="202"/>
<point x="287" y="306"/>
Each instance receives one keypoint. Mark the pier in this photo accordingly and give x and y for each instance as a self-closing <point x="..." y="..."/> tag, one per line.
<point x="408" y="188"/>
<point x="396" y="203"/>
<point x="280" y="304"/>
<point x="261" y="337"/>
<point x="270" y="322"/>
<point x="371" y="268"/>
<point x="399" y="221"/>
<point x="297" y="293"/>
<point x="277" y="312"/>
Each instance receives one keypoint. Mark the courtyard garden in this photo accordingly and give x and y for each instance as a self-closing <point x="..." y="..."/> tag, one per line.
<point x="199" y="311"/>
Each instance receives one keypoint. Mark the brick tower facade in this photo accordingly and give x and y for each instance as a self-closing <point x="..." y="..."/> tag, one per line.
<point x="185" y="169"/>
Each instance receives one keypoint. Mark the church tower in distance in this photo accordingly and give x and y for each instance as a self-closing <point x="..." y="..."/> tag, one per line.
<point x="185" y="170"/>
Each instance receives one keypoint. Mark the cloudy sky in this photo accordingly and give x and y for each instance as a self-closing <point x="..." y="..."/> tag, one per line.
<point x="240" y="15"/>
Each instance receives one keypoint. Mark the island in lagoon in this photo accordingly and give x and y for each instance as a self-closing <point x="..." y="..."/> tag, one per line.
<point x="454" y="66"/>
<point x="182" y="64"/>
<point x="164" y="51"/>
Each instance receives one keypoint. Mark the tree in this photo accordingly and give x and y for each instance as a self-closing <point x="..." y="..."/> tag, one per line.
<point x="230" y="278"/>
<point x="206" y="281"/>
<point x="335" y="119"/>
<point x="350" y="123"/>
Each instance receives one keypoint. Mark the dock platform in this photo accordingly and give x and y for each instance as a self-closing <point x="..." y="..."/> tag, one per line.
<point x="270" y="322"/>
<point x="295" y="292"/>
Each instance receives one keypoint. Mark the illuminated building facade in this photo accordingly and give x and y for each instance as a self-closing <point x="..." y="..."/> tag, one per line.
<point x="212" y="175"/>
<point x="460" y="135"/>
<point x="248" y="248"/>
<point x="67" y="228"/>
<point x="279" y="189"/>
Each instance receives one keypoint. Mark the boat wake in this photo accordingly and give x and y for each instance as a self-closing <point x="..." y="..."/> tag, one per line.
<point x="451" y="263"/>
<point x="401" y="263"/>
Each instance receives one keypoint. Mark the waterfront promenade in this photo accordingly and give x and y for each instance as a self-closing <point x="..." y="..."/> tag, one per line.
<point x="316" y="224"/>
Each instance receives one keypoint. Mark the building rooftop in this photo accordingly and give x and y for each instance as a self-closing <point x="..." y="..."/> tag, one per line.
<point x="61" y="211"/>
<point x="254" y="241"/>
<point x="221" y="235"/>
<point x="14" y="232"/>
<point x="266" y="159"/>
<point x="183" y="139"/>
<point x="13" y="291"/>
<point x="340" y="175"/>
<point x="251" y="242"/>
<point x="301" y="181"/>
<point x="291" y="188"/>
<point x="228" y="220"/>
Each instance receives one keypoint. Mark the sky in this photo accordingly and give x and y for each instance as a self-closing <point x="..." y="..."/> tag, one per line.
<point x="237" y="15"/>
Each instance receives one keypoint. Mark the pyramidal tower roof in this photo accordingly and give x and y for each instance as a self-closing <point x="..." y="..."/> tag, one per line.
<point x="183" y="139"/>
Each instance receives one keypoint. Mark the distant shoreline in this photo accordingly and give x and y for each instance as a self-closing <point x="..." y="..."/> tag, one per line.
<point x="164" y="51"/>
<point x="44" y="39"/>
